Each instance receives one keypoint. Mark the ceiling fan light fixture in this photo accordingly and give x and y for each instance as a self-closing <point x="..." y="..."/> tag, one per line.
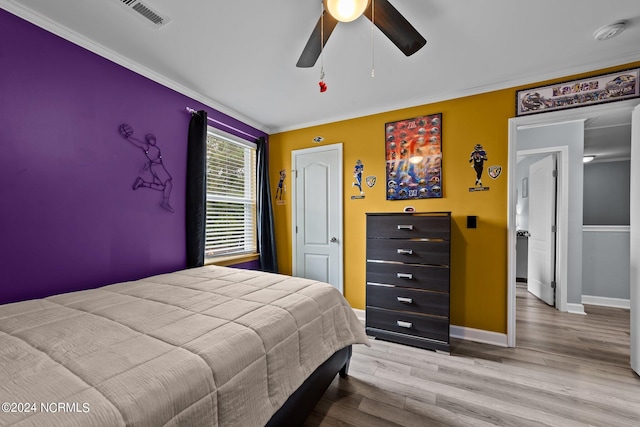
<point x="346" y="10"/>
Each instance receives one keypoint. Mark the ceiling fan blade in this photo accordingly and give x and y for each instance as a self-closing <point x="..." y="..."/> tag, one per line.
<point x="396" y="27"/>
<point x="313" y="48"/>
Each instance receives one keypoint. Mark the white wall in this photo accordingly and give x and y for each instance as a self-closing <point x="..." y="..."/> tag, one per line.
<point x="606" y="262"/>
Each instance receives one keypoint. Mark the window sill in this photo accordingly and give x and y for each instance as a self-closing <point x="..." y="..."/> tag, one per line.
<point x="226" y="261"/>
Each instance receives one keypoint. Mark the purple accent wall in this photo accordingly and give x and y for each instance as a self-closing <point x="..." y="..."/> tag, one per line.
<point x="69" y="218"/>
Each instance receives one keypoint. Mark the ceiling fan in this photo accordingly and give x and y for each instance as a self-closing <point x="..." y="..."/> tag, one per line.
<point x="385" y="17"/>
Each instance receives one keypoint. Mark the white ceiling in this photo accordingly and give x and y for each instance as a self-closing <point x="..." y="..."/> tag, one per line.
<point x="608" y="137"/>
<point x="239" y="56"/>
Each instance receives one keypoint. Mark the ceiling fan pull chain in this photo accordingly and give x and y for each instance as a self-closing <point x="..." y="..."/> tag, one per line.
<point x="373" y="51"/>
<point x="322" y="84"/>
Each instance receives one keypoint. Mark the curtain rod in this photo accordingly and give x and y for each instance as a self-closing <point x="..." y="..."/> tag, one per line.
<point x="191" y="110"/>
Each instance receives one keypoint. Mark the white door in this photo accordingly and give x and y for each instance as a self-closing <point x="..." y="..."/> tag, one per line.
<point x="317" y="214"/>
<point x="635" y="240"/>
<point x="542" y="210"/>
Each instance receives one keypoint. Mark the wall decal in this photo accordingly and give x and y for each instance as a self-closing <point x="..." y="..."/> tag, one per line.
<point x="282" y="188"/>
<point x="494" y="171"/>
<point x="371" y="181"/>
<point x="476" y="159"/>
<point x="357" y="176"/>
<point x="160" y="179"/>
<point x="414" y="158"/>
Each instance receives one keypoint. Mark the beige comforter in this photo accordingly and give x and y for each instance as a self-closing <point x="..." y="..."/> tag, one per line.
<point x="201" y="347"/>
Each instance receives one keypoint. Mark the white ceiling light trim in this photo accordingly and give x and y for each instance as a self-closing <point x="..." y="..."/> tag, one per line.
<point x="346" y="10"/>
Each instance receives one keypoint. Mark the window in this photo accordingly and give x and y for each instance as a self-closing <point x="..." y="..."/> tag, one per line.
<point x="231" y="196"/>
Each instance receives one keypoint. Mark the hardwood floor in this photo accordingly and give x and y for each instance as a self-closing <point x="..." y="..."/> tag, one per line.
<point x="567" y="370"/>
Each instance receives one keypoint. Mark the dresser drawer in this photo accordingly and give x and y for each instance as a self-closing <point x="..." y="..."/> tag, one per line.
<point x="411" y="276"/>
<point x="435" y="328"/>
<point x="409" y="251"/>
<point x="407" y="226"/>
<point x="404" y="299"/>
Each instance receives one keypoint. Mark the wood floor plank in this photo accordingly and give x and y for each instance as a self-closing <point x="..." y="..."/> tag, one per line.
<point x="466" y="393"/>
<point x="351" y="416"/>
<point x="435" y="415"/>
<point x="566" y="370"/>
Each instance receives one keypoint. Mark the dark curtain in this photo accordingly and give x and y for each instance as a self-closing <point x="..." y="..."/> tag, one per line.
<point x="266" y="237"/>
<point x="196" y="188"/>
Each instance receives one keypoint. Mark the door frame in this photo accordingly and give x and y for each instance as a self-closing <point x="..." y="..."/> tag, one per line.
<point x="634" y="235"/>
<point x="536" y="120"/>
<point x="294" y="220"/>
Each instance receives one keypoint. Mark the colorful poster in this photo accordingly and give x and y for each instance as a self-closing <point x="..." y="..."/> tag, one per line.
<point x="414" y="158"/>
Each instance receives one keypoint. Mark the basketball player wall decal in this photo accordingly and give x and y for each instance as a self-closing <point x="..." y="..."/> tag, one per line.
<point x="160" y="179"/>
<point x="281" y="186"/>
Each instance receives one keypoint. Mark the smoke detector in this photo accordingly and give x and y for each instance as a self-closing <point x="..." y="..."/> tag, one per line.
<point x="146" y="13"/>
<point x="609" y="31"/>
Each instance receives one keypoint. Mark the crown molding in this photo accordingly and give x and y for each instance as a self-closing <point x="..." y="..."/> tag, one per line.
<point x="82" y="41"/>
<point x="528" y="80"/>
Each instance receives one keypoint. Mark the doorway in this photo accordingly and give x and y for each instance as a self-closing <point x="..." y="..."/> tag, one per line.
<point x="317" y="248"/>
<point x="540" y="120"/>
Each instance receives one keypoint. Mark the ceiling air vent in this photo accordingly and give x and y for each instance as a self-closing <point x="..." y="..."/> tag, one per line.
<point x="142" y="10"/>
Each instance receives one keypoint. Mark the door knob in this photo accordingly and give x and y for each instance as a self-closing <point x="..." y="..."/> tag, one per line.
<point x="333" y="240"/>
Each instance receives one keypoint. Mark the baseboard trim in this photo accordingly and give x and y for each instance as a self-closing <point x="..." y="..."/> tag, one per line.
<point x="606" y="302"/>
<point x="574" y="308"/>
<point x="478" y="335"/>
<point x="461" y="332"/>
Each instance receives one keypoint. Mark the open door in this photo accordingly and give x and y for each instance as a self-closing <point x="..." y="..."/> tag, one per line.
<point x="542" y="242"/>
<point x="635" y="240"/>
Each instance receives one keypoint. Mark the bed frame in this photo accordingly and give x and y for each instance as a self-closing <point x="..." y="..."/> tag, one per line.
<point x="300" y="404"/>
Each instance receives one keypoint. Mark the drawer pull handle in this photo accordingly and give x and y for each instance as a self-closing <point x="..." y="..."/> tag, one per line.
<point x="405" y="300"/>
<point x="402" y="324"/>
<point x="405" y="251"/>
<point x="404" y="275"/>
<point x="405" y="227"/>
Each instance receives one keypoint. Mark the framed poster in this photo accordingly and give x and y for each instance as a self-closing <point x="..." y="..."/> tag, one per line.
<point x="594" y="90"/>
<point x="414" y="158"/>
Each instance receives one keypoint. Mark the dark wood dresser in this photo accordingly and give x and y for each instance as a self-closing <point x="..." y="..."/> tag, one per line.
<point x="408" y="278"/>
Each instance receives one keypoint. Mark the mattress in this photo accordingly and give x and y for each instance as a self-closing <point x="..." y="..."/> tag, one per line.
<point x="201" y="347"/>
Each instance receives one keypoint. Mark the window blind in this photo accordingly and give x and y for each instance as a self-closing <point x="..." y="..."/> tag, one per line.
<point x="231" y="197"/>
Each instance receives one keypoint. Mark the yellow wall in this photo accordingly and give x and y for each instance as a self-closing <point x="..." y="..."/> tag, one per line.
<point x="478" y="256"/>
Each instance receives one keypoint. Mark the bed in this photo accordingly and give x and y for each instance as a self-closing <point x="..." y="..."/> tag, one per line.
<point x="209" y="346"/>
